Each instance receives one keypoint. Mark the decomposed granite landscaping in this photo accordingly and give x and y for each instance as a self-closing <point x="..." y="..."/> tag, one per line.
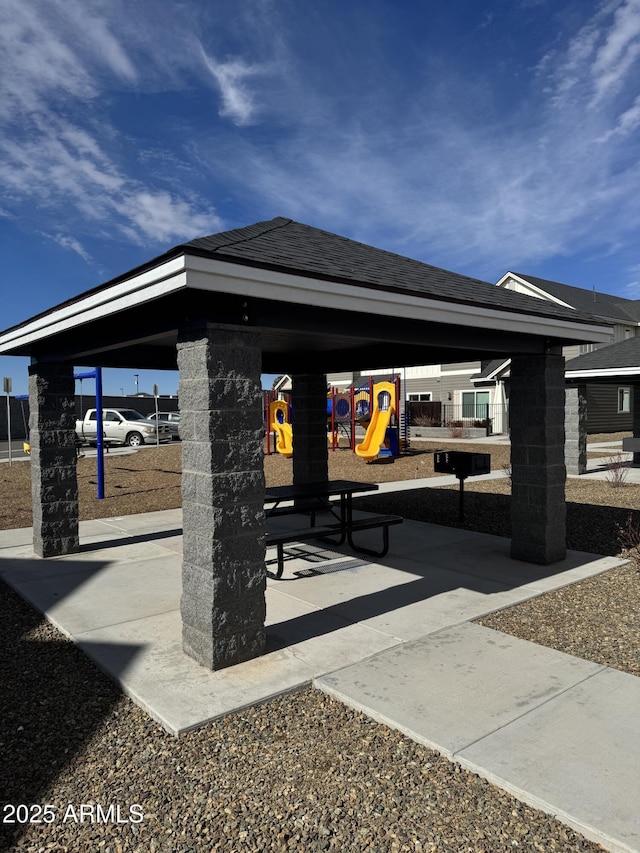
<point x="85" y="769"/>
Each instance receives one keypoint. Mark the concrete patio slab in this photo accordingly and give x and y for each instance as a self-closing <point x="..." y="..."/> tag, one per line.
<point x="490" y="557"/>
<point x="560" y="733"/>
<point x="577" y="756"/>
<point x="108" y="595"/>
<point x="182" y="695"/>
<point x="171" y="687"/>
<point x="454" y="687"/>
<point x="388" y="635"/>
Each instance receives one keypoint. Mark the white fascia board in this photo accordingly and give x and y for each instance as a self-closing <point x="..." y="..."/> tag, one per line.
<point x="149" y="285"/>
<point x="212" y="275"/>
<point x="602" y="373"/>
<point x="220" y="276"/>
<point x="536" y="292"/>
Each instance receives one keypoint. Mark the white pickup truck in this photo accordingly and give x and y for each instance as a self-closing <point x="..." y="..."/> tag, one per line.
<point x="121" y="426"/>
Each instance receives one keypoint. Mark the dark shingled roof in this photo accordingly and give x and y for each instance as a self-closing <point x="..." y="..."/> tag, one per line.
<point x="589" y="301"/>
<point x="620" y="355"/>
<point x="489" y="369"/>
<point x="287" y="246"/>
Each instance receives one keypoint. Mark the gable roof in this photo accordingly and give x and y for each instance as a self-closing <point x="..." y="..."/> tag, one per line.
<point x="588" y="301"/>
<point x="492" y="370"/>
<point x="615" y="360"/>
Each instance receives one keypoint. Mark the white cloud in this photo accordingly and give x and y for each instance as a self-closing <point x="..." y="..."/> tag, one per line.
<point x="627" y="122"/>
<point x="620" y="49"/>
<point x="435" y="178"/>
<point x="67" y="163"/>
<point x="327" y="131"/>
<point x="237" y="101"/>
<point x="52" y="50"/>
<point x="160" y="217"/>
<point x="73" y="245"/>
<point x="57" y="148"/>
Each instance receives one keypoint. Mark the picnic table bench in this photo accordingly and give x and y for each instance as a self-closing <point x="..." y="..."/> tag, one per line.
<point x="311" y="498"/>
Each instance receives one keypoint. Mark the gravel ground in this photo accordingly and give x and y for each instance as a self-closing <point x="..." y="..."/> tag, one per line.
<point x="299" y="773"/>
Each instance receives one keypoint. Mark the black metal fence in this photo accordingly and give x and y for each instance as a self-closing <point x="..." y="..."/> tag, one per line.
<point x="494" y="418"/>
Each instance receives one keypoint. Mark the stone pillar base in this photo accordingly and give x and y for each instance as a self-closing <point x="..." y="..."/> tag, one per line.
<point x="309" y="422"/>
<point x="538" y="508"/>
<point x="221" y="427"/>
<point x="54" y="485"/>
<point x="575" y="447"/>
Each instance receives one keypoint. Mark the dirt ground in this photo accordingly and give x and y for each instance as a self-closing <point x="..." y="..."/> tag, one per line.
<point x="598" y="619"/>
<point x="149" y="480"/>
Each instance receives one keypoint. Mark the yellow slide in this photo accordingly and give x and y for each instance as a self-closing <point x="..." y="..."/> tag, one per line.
<point x="384" y="394"/>
<point x="279" y="415"/>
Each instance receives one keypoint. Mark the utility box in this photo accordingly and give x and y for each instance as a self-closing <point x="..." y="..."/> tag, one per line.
<point x="461" y="463"/>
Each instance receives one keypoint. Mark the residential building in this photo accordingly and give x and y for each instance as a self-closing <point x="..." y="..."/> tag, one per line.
<point x="473" y="391"/>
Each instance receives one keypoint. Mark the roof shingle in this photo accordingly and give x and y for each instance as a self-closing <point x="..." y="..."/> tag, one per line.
<point x="589" y="301"/>
<point x="288" y="246"/>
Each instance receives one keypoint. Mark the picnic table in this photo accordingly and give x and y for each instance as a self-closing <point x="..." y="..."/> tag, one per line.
<point x="308" y="499"/>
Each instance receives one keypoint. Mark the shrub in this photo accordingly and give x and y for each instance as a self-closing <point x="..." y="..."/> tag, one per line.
<point x="617" y="470"/>
<point x="456" y="429"/>
<point x="426" y="421"/>
<point x="629" y="536"/>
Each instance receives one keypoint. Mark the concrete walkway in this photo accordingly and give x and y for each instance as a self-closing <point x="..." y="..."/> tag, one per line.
<point x="392" y="637"/>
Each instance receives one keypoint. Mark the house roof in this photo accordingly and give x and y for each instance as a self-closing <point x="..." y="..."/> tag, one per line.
<point x="610" y="362"/>
<point x="588" y="301"/>
<point x="492" y="370"/>
<point x="312" y="294"/>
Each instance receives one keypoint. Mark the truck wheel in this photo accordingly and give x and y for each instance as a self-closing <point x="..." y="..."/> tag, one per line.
<point x="134" y="439"/>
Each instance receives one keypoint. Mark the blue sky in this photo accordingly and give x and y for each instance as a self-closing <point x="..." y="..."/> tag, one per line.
<point x="476" y="136"/>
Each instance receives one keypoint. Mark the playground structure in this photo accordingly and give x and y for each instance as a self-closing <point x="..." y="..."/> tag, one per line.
<point x="279" y="423"/>
<point x="381" y="439"/>
<point x="372" y="407"/>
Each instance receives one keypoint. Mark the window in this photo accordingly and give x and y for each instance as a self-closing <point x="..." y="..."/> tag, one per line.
<point x="423" y="397"/>
<point x="584" y="348"/>
<point x="624" y="400"/>
<point x="475" y="404"/>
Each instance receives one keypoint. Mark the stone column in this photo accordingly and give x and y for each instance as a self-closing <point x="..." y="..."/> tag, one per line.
<point x="54" y="484"/>
<point x="222" y="430"/>
<point x="309" y="423"/>
<point x="538" y="508"/>
<point x="575" y="427"/>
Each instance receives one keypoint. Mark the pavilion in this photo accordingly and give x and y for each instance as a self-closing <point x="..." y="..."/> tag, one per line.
<point x="282" y="297"/>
